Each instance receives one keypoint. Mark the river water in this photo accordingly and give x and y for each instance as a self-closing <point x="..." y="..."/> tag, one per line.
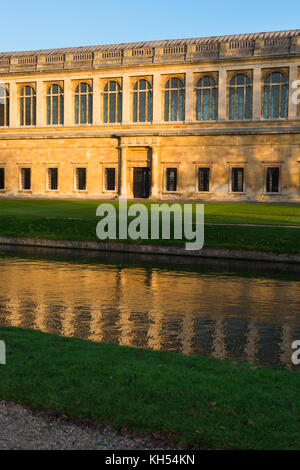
<point x="225" y="310"/>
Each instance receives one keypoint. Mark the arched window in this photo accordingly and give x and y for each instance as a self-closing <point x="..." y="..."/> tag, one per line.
<point x="206" y="99"/>
<point x="276" y="96"/>
<point x="142" y="101"/>
<point x="174" y="100"/>
<point x="83" y="104"/>
<point x="240" y="97"/>
<point x="112" y="103"/>
<point x="55" y="105"/>
<point x="28" y="106"/>
<point x="4" y="106"/>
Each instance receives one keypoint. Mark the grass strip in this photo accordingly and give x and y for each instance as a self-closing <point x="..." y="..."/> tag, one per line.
<point x="237" y="213"/>
<point x="274" y="239"/>
<point x="193" y="400"/>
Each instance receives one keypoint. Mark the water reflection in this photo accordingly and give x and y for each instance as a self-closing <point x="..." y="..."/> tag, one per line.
<point x="223" y="314"/>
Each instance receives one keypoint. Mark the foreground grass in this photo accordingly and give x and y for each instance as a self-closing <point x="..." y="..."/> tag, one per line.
<point x="193" y="400"/>
<point x="273" y="239"/>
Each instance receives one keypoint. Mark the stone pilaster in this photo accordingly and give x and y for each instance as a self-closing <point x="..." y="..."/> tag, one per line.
<point x="123" y="157"/>
<point x="156" y="97"/>
<point x="96" y="102"/>
<point x="126" y="100"/>
<point x="189" y="95"/>
<point x="155" y="172"/>
<point x="68" y="103"/>
<point x="14" y="105"/>
<point x="40" y="104"/>
<point x="256" y="109"/>
<point x="293" y="106"/>
<point x="222" y="95"/>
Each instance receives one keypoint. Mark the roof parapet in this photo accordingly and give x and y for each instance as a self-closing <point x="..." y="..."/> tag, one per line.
<point x="257" y="44"/>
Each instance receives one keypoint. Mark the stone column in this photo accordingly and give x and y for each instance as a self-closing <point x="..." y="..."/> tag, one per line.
<point x="123" y="156"/>
<point x="68" y="103"/>
<point x="14" y="105"/>
<point x="96" y="101"/>
<point x="40" y="104"/>
<point x="156" y="97"/>
<point x="155" y="172"/>
<point x="256" y="110"/>
<point x="222" y="94"/>
<point x="126" y="100"/>
<point x="189" y="94"/>
<point x="293" y="105"/>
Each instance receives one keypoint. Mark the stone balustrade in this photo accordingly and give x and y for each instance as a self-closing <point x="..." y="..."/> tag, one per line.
<point x="160" y="54"/>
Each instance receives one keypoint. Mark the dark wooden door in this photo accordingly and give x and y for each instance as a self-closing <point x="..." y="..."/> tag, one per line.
<point x="141" y="182"/>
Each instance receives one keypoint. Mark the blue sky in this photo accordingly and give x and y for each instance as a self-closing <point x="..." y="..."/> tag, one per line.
<point x="31" y="24"/>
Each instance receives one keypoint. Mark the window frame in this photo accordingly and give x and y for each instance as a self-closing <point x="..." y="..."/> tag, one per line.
<point x="106" y="166"/>
<point x="2" y="167"/>
<point x="238" y="165"/>
<point x="48" y="188"/>
<point x="25" y="166"/>
<point x="169" y="90"/>
<point x="76" y="175"/>
<point x="266" y="74"/>
<point x="136" y="92"/>
<point x="22" y="104"/>
<point x="198" y="166"/>
<point x="171" y="167"/>
<point x="266" y="167"/>
<point x="199" y="77"/>
<point x="6" y="107"/>
<point x="232" y="168"/>
<point x="235" y="87"/>
<point x="89" y="107"/>
<point x="108" y="93"/>
<point x="51" y="96"/>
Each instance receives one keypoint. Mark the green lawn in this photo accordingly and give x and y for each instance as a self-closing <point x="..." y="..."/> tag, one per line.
<point x="244" y="213"/>
<point x="72" y="220"/>
<point x="199" y="401"/>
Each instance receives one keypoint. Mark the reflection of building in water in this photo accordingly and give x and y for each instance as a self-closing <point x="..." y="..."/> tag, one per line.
<point x="224" y="316"/>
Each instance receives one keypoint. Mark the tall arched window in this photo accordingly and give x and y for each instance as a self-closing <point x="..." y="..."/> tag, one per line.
<point x="276" y="96"/>
<point x="4" y="106"/>
<point x="206" y="99"/>
<point x="55" y="105"/>
<point x="112" y="102"/>
<point x="240" y="97"/>
<point x="142" y="101"/>
<point x="28" y="106"/>
<point x="83" y="104"/>
<point x="174" y="100"/>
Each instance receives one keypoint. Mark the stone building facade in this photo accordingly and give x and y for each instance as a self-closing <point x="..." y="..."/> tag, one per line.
<point x="205" y="118"/>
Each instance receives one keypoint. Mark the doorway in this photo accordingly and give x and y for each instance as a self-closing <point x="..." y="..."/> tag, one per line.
<point x="141" y="183"/>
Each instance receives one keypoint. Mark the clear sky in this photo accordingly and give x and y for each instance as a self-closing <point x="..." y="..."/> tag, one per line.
<point x="29" y="24"/>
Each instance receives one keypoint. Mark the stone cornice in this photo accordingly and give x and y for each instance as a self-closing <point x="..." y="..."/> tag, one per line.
<point x="218" y="131"/>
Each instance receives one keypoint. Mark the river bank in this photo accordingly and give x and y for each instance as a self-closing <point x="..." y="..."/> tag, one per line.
<point x="241" y="231"/>
<point x="153" y="249"/>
